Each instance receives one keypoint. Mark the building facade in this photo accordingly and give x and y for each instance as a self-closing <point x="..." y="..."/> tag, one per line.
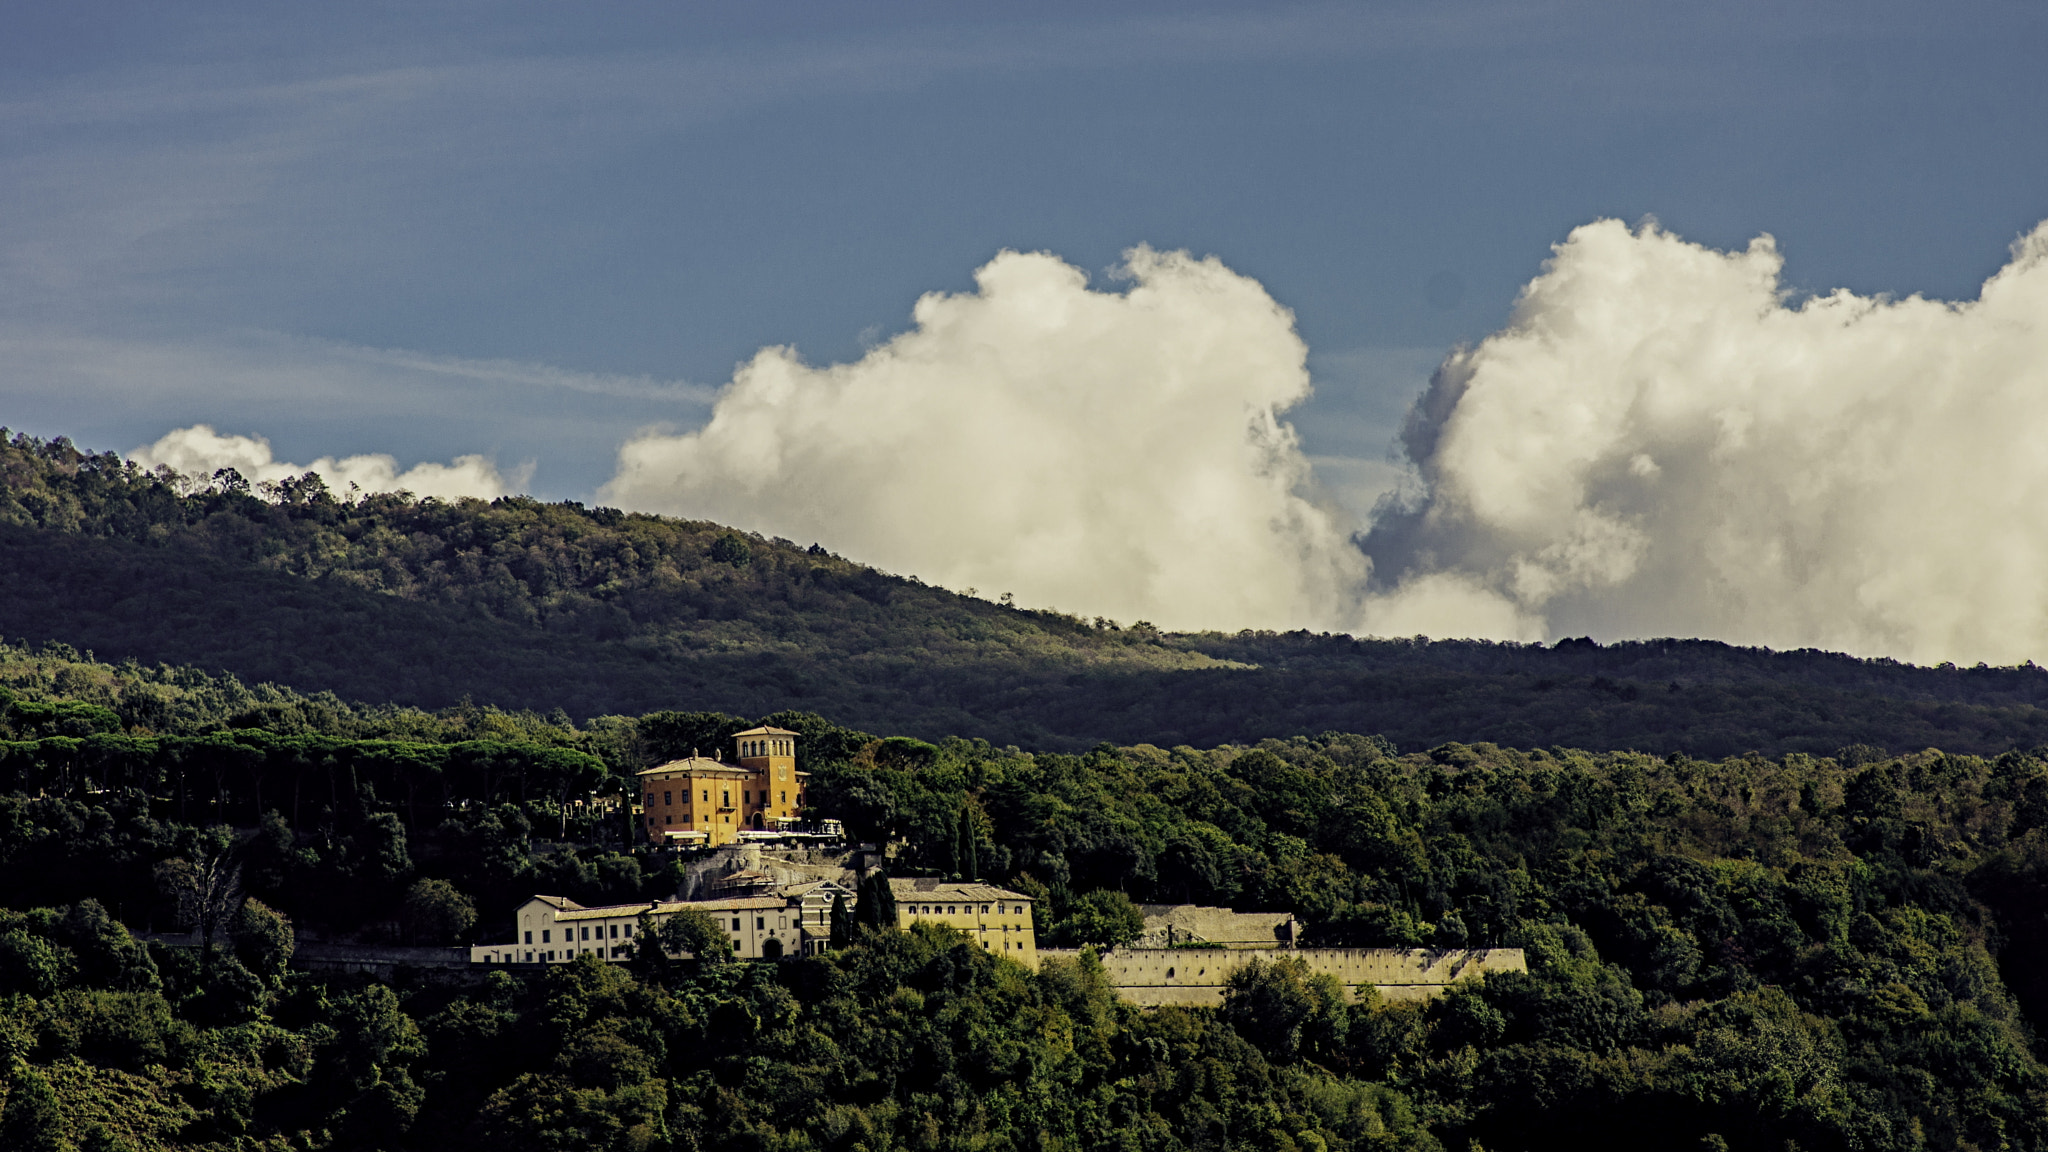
<point x="708" y="801"/>
<point x="995" y="918"/>
<point x="796" y="921"/>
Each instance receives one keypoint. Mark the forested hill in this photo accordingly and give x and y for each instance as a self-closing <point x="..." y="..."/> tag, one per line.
<point x="530" y="605"/>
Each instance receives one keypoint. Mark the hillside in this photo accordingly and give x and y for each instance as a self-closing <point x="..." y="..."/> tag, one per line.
<point x="1820" y="953"/>
<point x="522" y="604"/>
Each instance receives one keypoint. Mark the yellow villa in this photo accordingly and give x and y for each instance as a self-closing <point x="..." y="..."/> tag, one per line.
<point x="707" y="801"/>
<point x="995" y="918"/>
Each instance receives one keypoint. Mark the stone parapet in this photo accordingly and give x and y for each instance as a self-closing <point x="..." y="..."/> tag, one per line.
<point x="1197" y="976"/>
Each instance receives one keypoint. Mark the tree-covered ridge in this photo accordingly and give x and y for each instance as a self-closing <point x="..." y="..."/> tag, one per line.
<point x="526" y="605"/>
<point x="675" y="589"/>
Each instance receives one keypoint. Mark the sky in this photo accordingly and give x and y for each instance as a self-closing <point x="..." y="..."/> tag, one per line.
<point x="535" y="247"/>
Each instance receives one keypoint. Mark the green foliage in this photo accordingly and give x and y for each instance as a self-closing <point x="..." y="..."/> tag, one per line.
<point x="874" y="903"/>
<point x="537" y="606"/>
<point x="436" y="912"/>
<point x="693" y="933"/>
<point x="1289" y="1012"/>
<point x="264" y="940"/>
<point x="30" y="1121"/>
<point x="1102" y="917"/>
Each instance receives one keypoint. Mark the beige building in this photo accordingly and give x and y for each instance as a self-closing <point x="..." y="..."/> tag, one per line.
<point x="708" y="801"/>
<point x="797" y="921"/>
<point x="995" y="918"/>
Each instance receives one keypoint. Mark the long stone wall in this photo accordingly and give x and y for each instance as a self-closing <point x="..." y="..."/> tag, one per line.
<point x="1196" y="976"/>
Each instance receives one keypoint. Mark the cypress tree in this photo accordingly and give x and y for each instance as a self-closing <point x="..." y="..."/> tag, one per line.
<point x="842" y="924"/>
<point x="877" y="908"/>
<point x="966" y="855"/>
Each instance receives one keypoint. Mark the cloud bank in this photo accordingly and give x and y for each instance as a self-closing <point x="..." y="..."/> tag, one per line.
<point x="1661" y="443"/>
<point x="1117" y="453"/>
<point x="199" y="451"/>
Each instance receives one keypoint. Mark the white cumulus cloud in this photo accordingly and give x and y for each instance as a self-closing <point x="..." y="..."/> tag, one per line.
<point x="1116" y="453"/>
<point x="1663" y="443"/>
<point x="199" y="451"/>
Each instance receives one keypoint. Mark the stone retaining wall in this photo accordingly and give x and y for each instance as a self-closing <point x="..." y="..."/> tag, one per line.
<point x="1196" y="976"/>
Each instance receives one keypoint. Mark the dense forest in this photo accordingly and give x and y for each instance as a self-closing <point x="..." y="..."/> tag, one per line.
<point x="1834" y="952"/>
<point x="1762" y="908"/>
<point x="532" y="606"/>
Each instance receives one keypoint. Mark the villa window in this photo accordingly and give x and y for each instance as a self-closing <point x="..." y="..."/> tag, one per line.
<point x="544" y="935"/>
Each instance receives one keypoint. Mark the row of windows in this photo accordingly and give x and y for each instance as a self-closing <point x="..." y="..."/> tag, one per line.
<point x="966" y="909"/>
<point x="620" y="952"/>
<point x="724" y="797"/>
<point x="569" y="934"/>
<point x="767" y="747"/>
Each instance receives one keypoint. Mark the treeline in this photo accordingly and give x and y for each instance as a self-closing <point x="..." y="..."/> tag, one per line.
<point x="334" y="829"/>
<point x="1836" y="952"/>
<point x="1750" y="954"/>
<point x="525" y="605"/>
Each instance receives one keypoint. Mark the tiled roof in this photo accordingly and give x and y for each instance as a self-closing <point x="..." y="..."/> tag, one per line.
<point x="697" y="764"/>
<point x="934" y="889"/>
<point x="765" y="731"/>
<point x="574" y="911"/>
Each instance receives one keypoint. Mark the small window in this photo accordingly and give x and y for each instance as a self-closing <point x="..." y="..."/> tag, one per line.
<point x="984" y="909"/>
<point x="949" y="910"/>
<point x="747" y="796"/>
<point x="707" y="795"/>
<point x="785" y="796"/>
<point x="544" y="935"/>
<point x="529" y="938"/>
<point x="650" y="799"/>
<point x="666" y="798"/>
<point x="629" y="931"/>
<point x="760" y="922"/>
<point x="735" y="923"/>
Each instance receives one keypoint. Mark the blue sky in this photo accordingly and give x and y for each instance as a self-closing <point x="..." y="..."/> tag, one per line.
<point x="527" y="230"/>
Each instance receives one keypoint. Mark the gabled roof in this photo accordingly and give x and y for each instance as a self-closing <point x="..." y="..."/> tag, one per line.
<point x="559" y="903"/>
<point x="828" y="886"/>
<point x="766" y="731"/>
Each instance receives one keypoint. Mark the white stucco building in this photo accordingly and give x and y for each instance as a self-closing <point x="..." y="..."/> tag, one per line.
<point x="795" y="921"/>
